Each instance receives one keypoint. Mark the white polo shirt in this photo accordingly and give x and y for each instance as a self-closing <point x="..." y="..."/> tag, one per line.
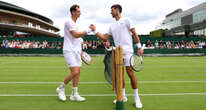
<point x="70" y="42"/>
<point x="120" y="31"/>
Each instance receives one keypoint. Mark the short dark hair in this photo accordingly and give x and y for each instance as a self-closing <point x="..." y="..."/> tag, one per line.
<point x="117" y="6"/>
<point x="73" y="7"/>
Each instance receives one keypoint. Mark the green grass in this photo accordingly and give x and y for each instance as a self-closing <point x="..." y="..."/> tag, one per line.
<point x="163" y="84"/>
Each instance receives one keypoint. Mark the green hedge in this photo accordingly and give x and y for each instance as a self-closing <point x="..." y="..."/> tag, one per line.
<point x="173" y="51"/>
<point x="30" y="51"/>
<point x="143" y="38"/>
<point x="96" y="51"/>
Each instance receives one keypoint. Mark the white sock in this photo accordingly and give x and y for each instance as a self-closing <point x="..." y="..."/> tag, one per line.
<point x="136" y="95"/>
<point x="124" y="94"/>
<point x="75" y="91"/>
<point x="62" y="85"/>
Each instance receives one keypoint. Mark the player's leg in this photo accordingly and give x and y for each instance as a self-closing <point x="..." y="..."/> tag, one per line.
<point x="126" y="63"/>
<point x="123" y="89"/>
<point x="132" y="77"/>
<point x="74" y="65"/>
<point x="75" y="94"/>
<point x="75" y="84"/>
<point x="76" y="78"/>
<point x="133" y="80"/>
<point x="74" y="72"/>
<point x="61" y="89"/>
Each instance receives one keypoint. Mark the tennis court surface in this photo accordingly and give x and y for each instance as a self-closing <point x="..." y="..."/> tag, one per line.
<point x="166" y="83"/>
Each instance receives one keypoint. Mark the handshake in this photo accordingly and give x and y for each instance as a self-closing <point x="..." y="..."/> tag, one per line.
<point x="91" y="30"/>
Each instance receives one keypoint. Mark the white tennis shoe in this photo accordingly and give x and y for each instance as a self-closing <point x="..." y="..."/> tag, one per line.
<point x="138" y="103"/>
<point x="77" y="97"/>
<point x="124" y="100"/>
<point x="61" y="93"/>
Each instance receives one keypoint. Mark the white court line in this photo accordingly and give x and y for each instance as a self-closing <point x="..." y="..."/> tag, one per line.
<point x="45" y="67"/>
<point x="17" y="61"/>
<point x="142" y="82"/>
<point x="103" y="95"/>
<point x="198" y="61"/>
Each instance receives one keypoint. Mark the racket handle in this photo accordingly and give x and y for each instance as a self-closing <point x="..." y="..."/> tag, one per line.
<point x="143" y="46"/>
<point x="141" y="58"/>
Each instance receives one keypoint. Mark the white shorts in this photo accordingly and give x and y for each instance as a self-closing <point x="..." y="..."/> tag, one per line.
<point x="126" y="59"/>
<point x="72" y="59"/>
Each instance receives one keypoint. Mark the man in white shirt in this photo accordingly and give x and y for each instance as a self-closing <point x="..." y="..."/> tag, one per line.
<point x="72" y="53"/>
<point x="121" y="31"/>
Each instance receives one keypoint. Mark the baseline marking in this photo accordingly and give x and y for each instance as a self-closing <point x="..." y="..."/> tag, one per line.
<point x="103" y="95"/>
<point x="143" y="82"/>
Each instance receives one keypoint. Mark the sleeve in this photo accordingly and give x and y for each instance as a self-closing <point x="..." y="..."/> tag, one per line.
<point x="70" y="26"/>
<point x="130" y="23"/>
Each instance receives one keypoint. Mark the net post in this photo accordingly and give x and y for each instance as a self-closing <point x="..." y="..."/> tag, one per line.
<point x="113" y="70"/>
<point x="119" y="78"/>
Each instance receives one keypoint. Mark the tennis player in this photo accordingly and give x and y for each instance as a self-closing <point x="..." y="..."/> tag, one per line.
<point x="72" y="53"/>
<point x="121" y="31"/>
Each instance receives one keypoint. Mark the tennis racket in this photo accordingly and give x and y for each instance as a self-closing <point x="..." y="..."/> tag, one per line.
<point x="136" y="62"/>
<point x="86" y="58"/>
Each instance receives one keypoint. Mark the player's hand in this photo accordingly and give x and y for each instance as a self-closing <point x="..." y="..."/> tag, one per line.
<point x="91" y="30"/>
<point x="140" y="51"/>
<point x="92" y="27"/>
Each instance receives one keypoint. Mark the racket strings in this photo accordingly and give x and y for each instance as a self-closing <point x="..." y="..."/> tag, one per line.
<point x="137" y="63"/>
<point x="86" y="58"/>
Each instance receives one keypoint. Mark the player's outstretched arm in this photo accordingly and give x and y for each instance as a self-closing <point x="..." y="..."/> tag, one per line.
<point x="77" y="34"/>
<point x="138" y="43"/>
<point x="104" y="37"/>
<point x="83" y="33"/>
